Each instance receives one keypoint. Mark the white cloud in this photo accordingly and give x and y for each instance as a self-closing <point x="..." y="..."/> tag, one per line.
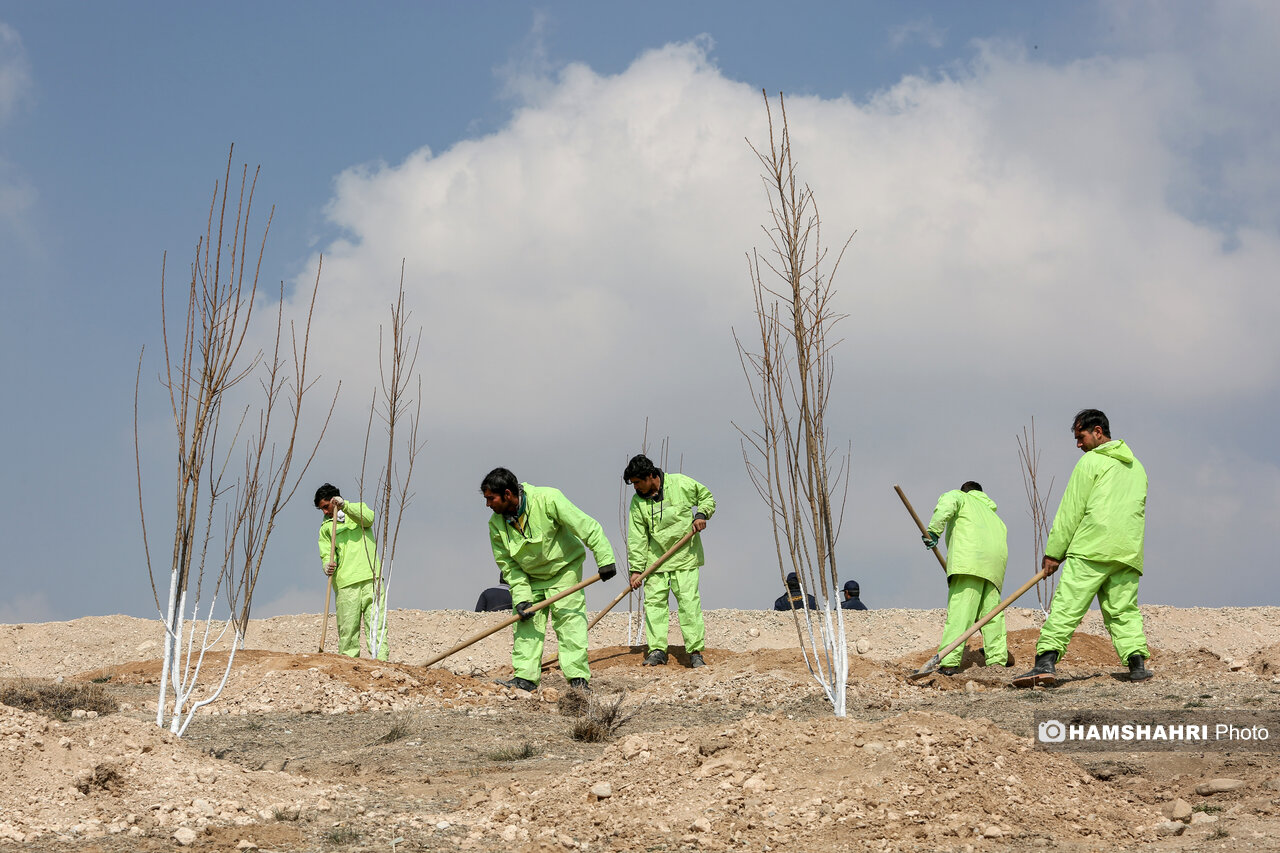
<point x="26" y="609"/>
<point x="17" y="195"/>
<point x="15" y="71"/>
<point x="1019" y="252"/>
<point x="923" y="30"/>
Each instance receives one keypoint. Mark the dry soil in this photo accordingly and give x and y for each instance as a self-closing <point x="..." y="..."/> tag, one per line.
<point x="311" y="751"/>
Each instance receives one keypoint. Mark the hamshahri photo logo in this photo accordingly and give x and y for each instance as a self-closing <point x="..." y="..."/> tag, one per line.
<point x="1157" y="730"/>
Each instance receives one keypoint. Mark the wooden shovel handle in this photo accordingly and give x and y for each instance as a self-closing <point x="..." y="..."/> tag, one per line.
<point x="656" y="563"/>
<point x="920" y="524"/>
<point x="512" y="620"/>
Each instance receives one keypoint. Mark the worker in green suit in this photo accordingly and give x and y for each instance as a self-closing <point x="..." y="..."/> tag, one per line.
<point x="537" y="536"/>
<point x="1097" y="538"/>
<point x="977" y="552"/>
<point x="663" y="509"/>
<point x="355" y="570"/>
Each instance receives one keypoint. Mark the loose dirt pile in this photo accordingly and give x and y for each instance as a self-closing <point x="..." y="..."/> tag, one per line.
<point x="306" y="751"/>
<point x="933" y="779"/>
<point x="114" y="775"/>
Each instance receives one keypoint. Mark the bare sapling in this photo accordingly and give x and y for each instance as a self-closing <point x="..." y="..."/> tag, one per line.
<point x="235" y="448"/>
<point x="1038" y="509"/>
<point x="787" y="455"/>
<point x="397" y="403"/>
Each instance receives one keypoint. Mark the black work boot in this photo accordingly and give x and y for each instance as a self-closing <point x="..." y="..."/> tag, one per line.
<point x="580" y="684"/>
<point x="1138" y="668"/>
<point x="695" y="660"/>
<point x="520" y="683"/>
<point x="657" y="657"/>
<point x="949" y="670"/>
<point x="1042" y="674"/>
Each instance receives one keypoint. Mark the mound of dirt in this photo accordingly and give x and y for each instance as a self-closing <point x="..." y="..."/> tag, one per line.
<point x="314" y="683"/>
<point x="935" y="780"/>
<point x="1266" y="662"/>
<point x="1086" y="651"/>
<point x="113" y="775"/>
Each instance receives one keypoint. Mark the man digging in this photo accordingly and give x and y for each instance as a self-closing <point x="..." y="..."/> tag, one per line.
<point x="537" y="536"/>
<point x="662" y="509"/>
<point x="1097" y="537"/>
<point x="977" y="552"/>
<point x="353" y="569"/>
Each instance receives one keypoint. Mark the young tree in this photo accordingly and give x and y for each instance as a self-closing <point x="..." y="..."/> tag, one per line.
<point x="227" y="495"/>
<point x="1038" y="509"/>
<point x="787" y="456"/>
<point x="392" y="404"/>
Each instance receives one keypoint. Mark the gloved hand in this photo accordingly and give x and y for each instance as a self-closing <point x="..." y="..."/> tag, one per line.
<point x="607" y="571"/>
<point x="523" y="610"/>
<point x="330" y="568"/>
<point x="929" y="539"/>
<point x="340" y="516"/>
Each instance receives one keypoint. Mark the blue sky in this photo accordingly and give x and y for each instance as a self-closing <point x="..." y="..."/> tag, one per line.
<point x="1057" y="206"/>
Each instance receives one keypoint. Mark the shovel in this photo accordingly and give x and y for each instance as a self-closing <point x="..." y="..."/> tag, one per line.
<point x="658" y="562"/>
<point x="328" y="590"/>
<point x="920" y="524"/>
<point x="936" y="659"/>
<point x="512" y="620"/>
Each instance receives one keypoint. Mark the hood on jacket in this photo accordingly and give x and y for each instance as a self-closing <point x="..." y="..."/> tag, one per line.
<point x="982" y="496"/>
<point x="1116" y="449"/>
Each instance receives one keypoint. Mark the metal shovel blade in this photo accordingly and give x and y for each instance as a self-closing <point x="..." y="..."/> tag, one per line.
<point x="928" y="669"/>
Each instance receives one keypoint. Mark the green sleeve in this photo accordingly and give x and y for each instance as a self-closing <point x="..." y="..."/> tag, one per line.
<point x="947" y="508"/>
<point x="360" y="513"/>
<point x="703" y="499"/>
<point x="637" y="538"/>
<point x="324" y="542"/>
<point x="584" y="527"/>
<point x="1071" y="509"/>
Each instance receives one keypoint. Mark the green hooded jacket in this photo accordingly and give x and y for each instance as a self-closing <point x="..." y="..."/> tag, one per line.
<point x="546" y="538"/>
<point x="357" y="552"/>
<point x="1104" y="509"/>
<point x="977" y="541"/>
<point x="658" y="523"/>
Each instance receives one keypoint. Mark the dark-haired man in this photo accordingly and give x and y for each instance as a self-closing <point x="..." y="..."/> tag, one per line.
<point x="977" y="553"/>
<point x="794" y="598"/>
<point x="537" y="536"/>
<point x="852" y="597"/>
<point x="663" y="509"/>
<point x="495" y="599"/>
<point x="1097" y="538"/>
<point x="355" y="566"/>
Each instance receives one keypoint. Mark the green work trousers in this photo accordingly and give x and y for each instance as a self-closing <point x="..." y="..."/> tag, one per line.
<point x="568" y="618"/>
<point x="355" y="606"/>
<point x="1116" y="586"/>
<point x="969" y="598"/>
<point x="658" y="588"/>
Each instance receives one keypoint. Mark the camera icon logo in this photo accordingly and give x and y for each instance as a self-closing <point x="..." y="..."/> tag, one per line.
<point x="1051" y="731"/>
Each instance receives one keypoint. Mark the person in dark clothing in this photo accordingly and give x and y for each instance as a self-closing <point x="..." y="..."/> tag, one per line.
<point x="495" y="599"/>
<point x="794" y="600"/>
<point x="851" y="599"/>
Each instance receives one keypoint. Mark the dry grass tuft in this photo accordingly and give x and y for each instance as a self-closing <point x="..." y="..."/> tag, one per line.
<point x="512" y="753"/>
<point x="602" y="720"/>
<point x="58" y="700"/>
<point x="398" y="731"/>
<point x="342" y="835"/>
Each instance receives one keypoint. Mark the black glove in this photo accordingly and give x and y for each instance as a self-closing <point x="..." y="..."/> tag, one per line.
<point x="522" y="609"/>
<point x="608" y="571"/>
<point x="930" y="540"/>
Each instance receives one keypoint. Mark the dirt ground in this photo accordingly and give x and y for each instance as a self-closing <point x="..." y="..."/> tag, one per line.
<point x="309" y="751"/>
